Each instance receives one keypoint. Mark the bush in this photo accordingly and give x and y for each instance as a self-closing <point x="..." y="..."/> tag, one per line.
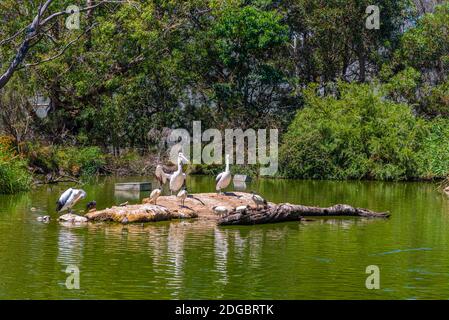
<point x="434" y="154"/>
<point x="14" y="175"/>
<point x="84" y="161"/>
<point x="354" y="134"/>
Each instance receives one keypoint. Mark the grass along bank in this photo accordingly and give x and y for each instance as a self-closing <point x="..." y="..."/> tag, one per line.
<point x="14" y="174"/>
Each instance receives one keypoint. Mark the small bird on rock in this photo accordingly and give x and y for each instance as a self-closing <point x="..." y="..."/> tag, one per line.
<point x="258" y="200"/>
<point x="220" y="210"/>
<point x="182" y="195"/>
<point x="155" y="194"/>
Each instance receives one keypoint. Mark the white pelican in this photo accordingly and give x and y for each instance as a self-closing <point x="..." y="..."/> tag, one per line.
<point x="182" y="195"/>
<point x="69" y="198"/>
<point x="155" y="194"/>
<point x="224" y="179"/>
<point x="220" y="210"/>
<point x="258" y="200"/>
<point x="161" y="176"/>
<point x="177" y="178"/>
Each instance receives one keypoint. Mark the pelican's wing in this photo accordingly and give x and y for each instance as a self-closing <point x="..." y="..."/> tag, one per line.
<point x="161" y="175"/>
<point x="63" y="199"/>
<point x="218" y="177"/>
<point x="159" y="172"/>
<point x="68" y="203"/>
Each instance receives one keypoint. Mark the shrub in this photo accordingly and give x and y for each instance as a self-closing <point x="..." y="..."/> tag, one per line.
<point x="86" y="161"/>
<point x="434" y="154"/>
<point x="76" y="161"/>
<point x="354" y="134"/>
<point x="14" y="175"/>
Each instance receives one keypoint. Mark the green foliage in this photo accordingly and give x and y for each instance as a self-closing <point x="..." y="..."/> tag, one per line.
<point x="358" y="135"/>
<point x="247" y="32"/>
<point x="86" y="161"/>
<point x="433" y="156"/>
<point x="14" y="175"/>
<point x="425" y="48"/>
<point x="246" y="46"/>
<point x="76" y="161"/>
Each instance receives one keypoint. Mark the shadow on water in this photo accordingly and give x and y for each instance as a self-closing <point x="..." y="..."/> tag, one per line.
<point x="322" y="258"/>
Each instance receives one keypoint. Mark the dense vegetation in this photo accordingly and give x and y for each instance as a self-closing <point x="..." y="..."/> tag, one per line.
<point x="350" y="102"/>
<point x="14" y="175"/>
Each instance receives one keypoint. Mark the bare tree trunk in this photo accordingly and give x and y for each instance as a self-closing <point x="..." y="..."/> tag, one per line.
<point x="33" y="30"/>
<point x="362" y="65"/>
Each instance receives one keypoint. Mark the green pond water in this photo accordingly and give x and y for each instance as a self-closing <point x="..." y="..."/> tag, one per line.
<point x="321" y="259"/>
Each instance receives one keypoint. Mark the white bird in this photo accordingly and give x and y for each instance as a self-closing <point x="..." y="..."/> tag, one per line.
<point x="155" y="194"/>
<point x="258" y="200"/>
<point x="242" y="209"/>
<point x="69" y="198"/>
<point x="161" y="176"/>
<point x="177" y="178"/>
<point x="182" y="195"/>
<point x="220" y="210"/>
<point x="224" y="179"/>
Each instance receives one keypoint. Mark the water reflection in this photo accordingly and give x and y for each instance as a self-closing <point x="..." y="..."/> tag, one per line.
<point x="240" y="185"/>
<point x="70" y="247"/>
<point x="221" y="254"/>
<point x="175" y="254"/>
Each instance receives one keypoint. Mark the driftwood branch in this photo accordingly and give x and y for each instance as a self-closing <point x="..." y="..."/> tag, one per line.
<point x="50" y="179"/>
<point x="290" y="212"/>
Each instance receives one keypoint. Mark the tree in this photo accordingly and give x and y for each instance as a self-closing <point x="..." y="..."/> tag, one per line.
<point x="32" y="34"/>
<point x="330" y="40"/>
<point x="424" y="48"/>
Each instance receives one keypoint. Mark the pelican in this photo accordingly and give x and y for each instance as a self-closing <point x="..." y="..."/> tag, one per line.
<point x="182" y="195"/>
<point x="177" y="178"/>
<point x="258" y="200"/>
<point x="155" y="194"/>
<point x="220" y="210"/>
<point x="161" y="176"/>
<point x="69" y="198"/>
<point x="224" y="179"/>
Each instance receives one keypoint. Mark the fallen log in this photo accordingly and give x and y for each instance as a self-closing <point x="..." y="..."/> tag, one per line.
<point x="201" y="205"/>
<point x="138" y="213"/>
<point x="289" y="212"/>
